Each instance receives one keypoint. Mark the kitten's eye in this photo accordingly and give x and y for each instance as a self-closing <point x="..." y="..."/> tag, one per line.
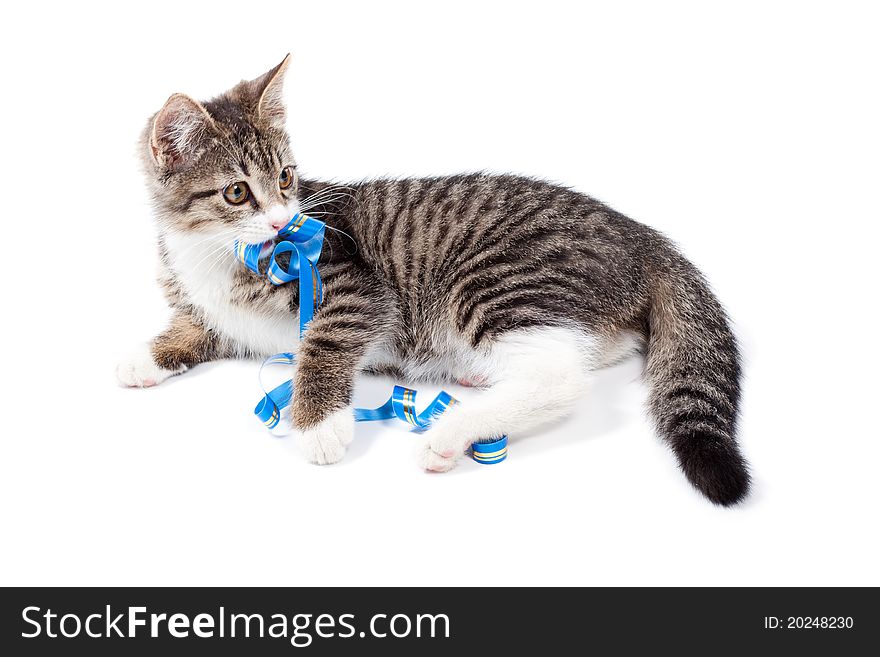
<point x="236" y="193"/>
<point x="285" y="178"/>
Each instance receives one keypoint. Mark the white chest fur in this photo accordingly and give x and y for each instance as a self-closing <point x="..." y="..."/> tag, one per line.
<point x="205" y="270"/>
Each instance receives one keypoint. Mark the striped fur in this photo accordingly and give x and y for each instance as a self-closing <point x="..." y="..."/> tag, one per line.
<point x="424" y="276"/>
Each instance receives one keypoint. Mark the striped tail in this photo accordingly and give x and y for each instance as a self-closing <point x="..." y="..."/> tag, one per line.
<point x="693" y="369"/>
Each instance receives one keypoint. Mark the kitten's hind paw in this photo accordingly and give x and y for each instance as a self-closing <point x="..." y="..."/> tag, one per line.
<point x="139" y="369"/>
<point x="444" y="444"/>
<point x="431" y="461"/>
<point x="327" y="441"/>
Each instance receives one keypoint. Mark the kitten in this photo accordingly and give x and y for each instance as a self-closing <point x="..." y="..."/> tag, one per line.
<point x="514" y="284"/>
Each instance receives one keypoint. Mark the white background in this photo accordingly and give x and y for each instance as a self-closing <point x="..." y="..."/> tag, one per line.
<point x="748" y="133"/>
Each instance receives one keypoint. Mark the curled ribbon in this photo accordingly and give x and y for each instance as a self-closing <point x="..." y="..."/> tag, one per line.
<point x="402" y="405"/>
<point x="302" y="238"/>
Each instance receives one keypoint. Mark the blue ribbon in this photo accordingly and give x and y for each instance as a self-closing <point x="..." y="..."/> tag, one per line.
<point x="402" y="405"/>
<point x="490" y="453"/>
<point x="303" y="238"/>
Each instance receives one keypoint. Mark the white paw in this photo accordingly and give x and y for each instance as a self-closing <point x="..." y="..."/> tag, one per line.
<point x="327" y="441"/>
<point x="445" y="443"/>
<point x="431" y="461"/>
<point x="139" y="370"/>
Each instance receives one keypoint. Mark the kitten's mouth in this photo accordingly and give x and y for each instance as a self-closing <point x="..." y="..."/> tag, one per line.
<point x="265" y="247"/>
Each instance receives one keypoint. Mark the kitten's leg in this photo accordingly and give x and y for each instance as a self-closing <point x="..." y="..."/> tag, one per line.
<point x="183" y="344"/>
<point x="353" y="318"/>
<point x="538" y="376"/>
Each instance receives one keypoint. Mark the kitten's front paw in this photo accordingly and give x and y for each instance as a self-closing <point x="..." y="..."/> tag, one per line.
<point x="327" y="441"/>
<point x="139" y="370"/>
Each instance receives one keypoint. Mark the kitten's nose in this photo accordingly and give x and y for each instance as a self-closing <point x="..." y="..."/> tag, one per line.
<point x="277" y="216"/>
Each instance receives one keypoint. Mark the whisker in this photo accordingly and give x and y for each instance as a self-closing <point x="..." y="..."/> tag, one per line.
<point x="203" y="280"/>
<point x="328" y="189"/>
<point x="330" y="198"/>
<point x="342" y="232"/>
<point x="325" y="195"/>
<point x="220" y="257"/>
<point x="329" y="244"/>
<point x="325" y="201"/>
<point x="219" y="248"/>
<point x="201" y="241"/>
<point x="221" y="235"/>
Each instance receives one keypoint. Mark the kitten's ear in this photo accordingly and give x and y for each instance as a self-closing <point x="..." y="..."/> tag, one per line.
<point x="178" y="132"/>
<point x="269" y="89"/>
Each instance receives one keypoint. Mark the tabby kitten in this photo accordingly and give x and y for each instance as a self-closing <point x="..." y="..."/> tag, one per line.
<point x="511" y="284"/>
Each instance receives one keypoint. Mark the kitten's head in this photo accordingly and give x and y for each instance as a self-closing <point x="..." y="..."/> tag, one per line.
<point x="223" y="167"/>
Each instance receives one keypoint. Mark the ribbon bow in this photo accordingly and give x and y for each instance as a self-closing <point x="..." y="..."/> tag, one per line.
<point x="303" y="239"/>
